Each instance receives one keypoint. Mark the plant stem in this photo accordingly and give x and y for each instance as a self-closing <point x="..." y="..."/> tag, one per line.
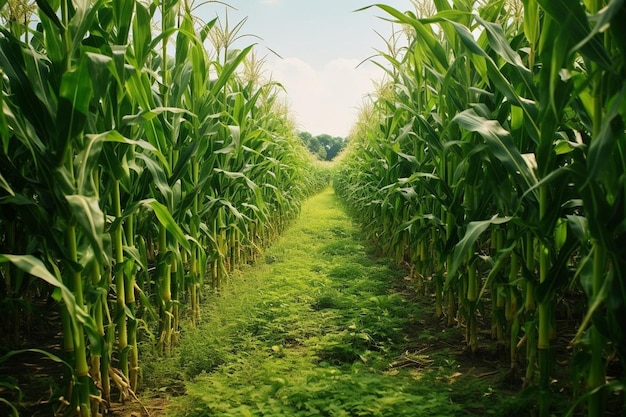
<point x="81" y="364"/>
<point x="545" y="314"/>
<point x="597" y="377"/>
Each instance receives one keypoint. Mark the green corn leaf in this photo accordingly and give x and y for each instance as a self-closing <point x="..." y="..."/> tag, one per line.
<point x="559" y="274"/>
<point x="531" y="21"/>
<point x="500" y="44"/>
<point x="429" y="219"/>
<point x="501" y="259"/>
<point x="30" y="109"/>
<point x="118" y="66"/>
<point x="237" y="175"/>
<point x="232" y="209"/>
<point x="554" y="43"/>
<point x="618" y="30"/>
<point x="206" y="28"/>
<point x="4" y="126"/>
<point x="37" y="70"/>
<point x="602" y="147"/>
<point x="562" y="174"/>
<point x="159" y="176"/>
<point x="12" y="410"/>
<point x="147" y="302"/>
<point x="500" y="81"/>
<point x="54" y="45"/>
<point x="142" y="34"/>
<point x="76" y="87"/>
<point x="165" y="34"/>
<point x="165" y="218"/>
<point x="123" y="14"/>
<point x="579" y="226"/>
<point x="87" y="213"/>
<point x="571" y="17"/>
<point x="44" y="6"/>
<point x="148" y="115"/>
<point x="228" y="70"/>
<point x="85" y="164"/>
<point x="601" y="21"/>
<point x="114" y="136"/>
<point x="4" y="184"/>
<point x="85" y="14"/>
<point x="184" y="37"/>
<point x="449" y="14"/>
<point x="473" y="232"/>
<point x="596" y="301"/>
<point x="36" y="268"/>
<point x="182" y="165"/>
<point x="425" y="35"/>
<point x="501" y="146"/>
<point x="139" y="87"/>
<point x="134" y="254"/>
<point x="101" y="67"/>
<point x="47" y="354"/>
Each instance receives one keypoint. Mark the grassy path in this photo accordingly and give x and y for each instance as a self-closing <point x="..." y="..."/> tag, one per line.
<point x="316" y="329"/>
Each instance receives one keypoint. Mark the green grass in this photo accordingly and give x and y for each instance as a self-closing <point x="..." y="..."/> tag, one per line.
<point x="315" y="331"/>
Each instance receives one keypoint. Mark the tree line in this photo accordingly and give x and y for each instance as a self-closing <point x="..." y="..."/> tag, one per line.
<point x="324" y="146"/>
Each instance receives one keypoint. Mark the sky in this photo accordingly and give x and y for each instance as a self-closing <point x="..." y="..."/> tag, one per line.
<point x="321" y="44"/>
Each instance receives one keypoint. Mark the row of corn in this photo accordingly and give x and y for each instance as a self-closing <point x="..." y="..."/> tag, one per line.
<point x="142" y="157"/>
<point x="493" y="162"/>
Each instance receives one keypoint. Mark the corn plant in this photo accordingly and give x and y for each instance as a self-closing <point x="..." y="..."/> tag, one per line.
<point x="490" y="126"/>
<point x="139" y="169"/>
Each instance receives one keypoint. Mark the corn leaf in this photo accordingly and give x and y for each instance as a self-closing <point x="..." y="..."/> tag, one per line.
<point x="501" y="146"/>
<point x="36" y="268"/>
<point x="165" y="218"/>
<point x="603" y="145"/>
<point x="572" y="18"/>
<point x="473" y="232"/>
<point x="87" y="213"/>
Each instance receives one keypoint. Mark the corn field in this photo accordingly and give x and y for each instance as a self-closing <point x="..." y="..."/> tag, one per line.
<point x="142" y="159"/>
<point x="492" y="162"/>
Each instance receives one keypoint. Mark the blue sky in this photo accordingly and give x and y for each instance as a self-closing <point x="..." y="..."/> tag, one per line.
<point x="320" y="42"/>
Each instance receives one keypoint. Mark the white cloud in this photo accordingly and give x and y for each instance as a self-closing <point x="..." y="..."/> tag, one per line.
<point x="272" y="2"/>
<point x="324" y="100"/>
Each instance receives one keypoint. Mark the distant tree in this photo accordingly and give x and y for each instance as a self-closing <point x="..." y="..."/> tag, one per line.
<point x="312" y="144"/>
<point x="306" y="137"/>
<point x="324" y="140"/>
<point x="334" y="149"/>
<point x="324" y="146"/>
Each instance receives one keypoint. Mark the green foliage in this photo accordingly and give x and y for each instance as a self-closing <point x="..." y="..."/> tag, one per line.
<point x="324" y="147"/>
<point x="490" y="122"/>
<point x="131" y="182"/>
<point x="315" y="333"/>
<point x="478" y="163"/>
